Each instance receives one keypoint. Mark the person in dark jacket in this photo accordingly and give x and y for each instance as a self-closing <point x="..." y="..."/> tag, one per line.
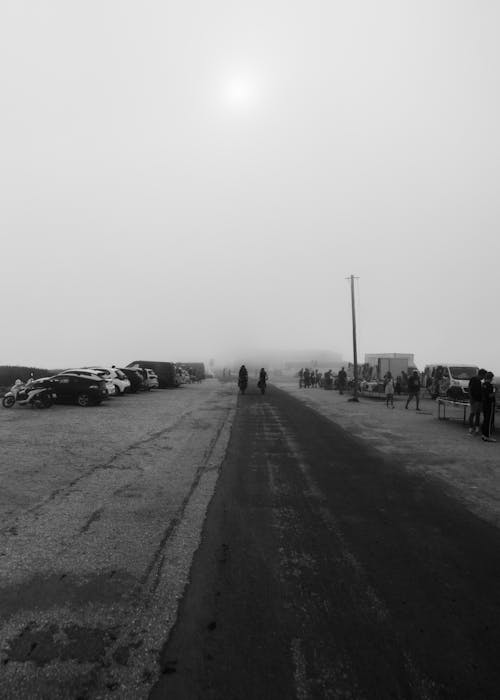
<point x="342" y="380"/>
<point x="242" y="379"/>
<point x="413" y="389"/>
<point x="476" y="401"/>
<point x="262" y="378"/>
<point x="488" y="408"/>
<point x="301" y="377"/>
<point x="307" y="378"/>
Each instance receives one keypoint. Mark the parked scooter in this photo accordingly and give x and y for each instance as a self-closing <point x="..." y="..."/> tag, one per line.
<point x="28" y="395"/>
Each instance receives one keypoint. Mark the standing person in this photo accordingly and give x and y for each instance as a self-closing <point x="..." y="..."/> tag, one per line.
<point x="327" y="380"/>
<point x="342" y="378"/>
<point x="389" y="390"/>
<point x="488" y="408"/>
<point x="301" y="377"/>
<point x="413" y="389"/>
<point x="307" y="378"/>
<point x="397" y="387"/>
<point x="262" y="380"/>
<point x="476" y="401"/>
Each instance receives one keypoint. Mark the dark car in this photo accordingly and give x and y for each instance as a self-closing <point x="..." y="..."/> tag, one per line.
<point x="135" y="378"/>
<point x="73" y="388"/>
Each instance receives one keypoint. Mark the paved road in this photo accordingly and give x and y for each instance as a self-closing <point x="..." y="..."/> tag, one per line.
<point x="327" y="571"/>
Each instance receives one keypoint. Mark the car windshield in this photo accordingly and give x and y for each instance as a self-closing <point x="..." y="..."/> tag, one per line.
<point x="463" y="372"/>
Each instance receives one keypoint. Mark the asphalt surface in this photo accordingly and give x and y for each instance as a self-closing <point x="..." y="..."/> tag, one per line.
<point x="327" y="570"/>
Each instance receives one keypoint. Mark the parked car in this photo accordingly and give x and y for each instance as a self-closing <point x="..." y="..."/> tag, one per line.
<point x="195" y="369"/>
<point x="149" y="377"/>
<point x="76" y="388"/>
<point x="137" y="383"/>
<point x="152" y="379"/>
<point x="120" y="380"/>
<point x="93" y="374"/>
<point x="183" y="376"/>
<point x="164" y="372"/>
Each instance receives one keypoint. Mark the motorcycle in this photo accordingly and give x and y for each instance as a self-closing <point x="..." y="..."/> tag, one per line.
<point x="27" y="395"/>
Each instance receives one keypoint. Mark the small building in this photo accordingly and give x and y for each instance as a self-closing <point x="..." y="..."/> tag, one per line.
<point x="394" y="362"/>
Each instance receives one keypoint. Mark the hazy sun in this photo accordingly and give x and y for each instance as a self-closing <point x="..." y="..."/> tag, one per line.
<point x="240" y="92"/>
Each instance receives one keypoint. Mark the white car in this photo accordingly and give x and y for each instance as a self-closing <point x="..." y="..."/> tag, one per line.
<point x="87" y="372"/>
<point x="152" y="379"/>
<point x="119" y="379"/>
<point x="149" y="377"/>
<point x="182" y="375"/>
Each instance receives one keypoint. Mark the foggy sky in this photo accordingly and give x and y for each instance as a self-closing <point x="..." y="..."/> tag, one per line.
<point x="192" y="180"/>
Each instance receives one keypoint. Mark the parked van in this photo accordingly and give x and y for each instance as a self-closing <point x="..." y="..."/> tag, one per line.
<point x="450" y="380"/>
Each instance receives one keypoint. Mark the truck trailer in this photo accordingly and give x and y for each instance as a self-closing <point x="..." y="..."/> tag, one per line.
<point x="394" y="362"/>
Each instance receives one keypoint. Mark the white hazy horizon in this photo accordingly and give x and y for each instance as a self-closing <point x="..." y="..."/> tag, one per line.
<point x="189" y="181"/>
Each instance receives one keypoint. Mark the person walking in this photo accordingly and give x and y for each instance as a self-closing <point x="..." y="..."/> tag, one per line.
<point x="476" y="401"/>
<point x="389" y="390"/>
<point x="488" y="408"/>
<point x="262" y="380"/>
<point x="413" y="389"/>
<point x="342" y="379"/>
<point x="243" y="379"/>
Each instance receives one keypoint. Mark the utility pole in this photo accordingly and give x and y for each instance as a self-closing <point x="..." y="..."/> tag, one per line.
<point x="354" y="343"/>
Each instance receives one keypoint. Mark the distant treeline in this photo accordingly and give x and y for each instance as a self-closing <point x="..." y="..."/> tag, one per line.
<point x="9" y="373"/>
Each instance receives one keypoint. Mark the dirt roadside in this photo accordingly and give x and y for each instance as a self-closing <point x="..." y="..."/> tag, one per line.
<point x="101" y="511"/>
<point x="467" y="467"/>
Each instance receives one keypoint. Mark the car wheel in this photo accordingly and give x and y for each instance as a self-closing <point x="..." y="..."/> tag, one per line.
<point x="8" y="401"/>
<point x="47" y="400"/>
<point x="83" y="399"/>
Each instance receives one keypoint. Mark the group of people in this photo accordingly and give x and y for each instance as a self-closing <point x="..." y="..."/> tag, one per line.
<point x="243" y="377"/>
<point x="310" y="378"/>
<point x="482" y="401"/>
<point x="392" y="386"/>
<point x="313" y="378"/>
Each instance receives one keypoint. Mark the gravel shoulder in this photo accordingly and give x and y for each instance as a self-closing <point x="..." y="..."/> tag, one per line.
<point x="101" y="510"/>
<point x="466" y="467"/>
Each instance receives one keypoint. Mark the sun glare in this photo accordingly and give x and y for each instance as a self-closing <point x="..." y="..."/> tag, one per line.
<point x="240" y="93"/>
